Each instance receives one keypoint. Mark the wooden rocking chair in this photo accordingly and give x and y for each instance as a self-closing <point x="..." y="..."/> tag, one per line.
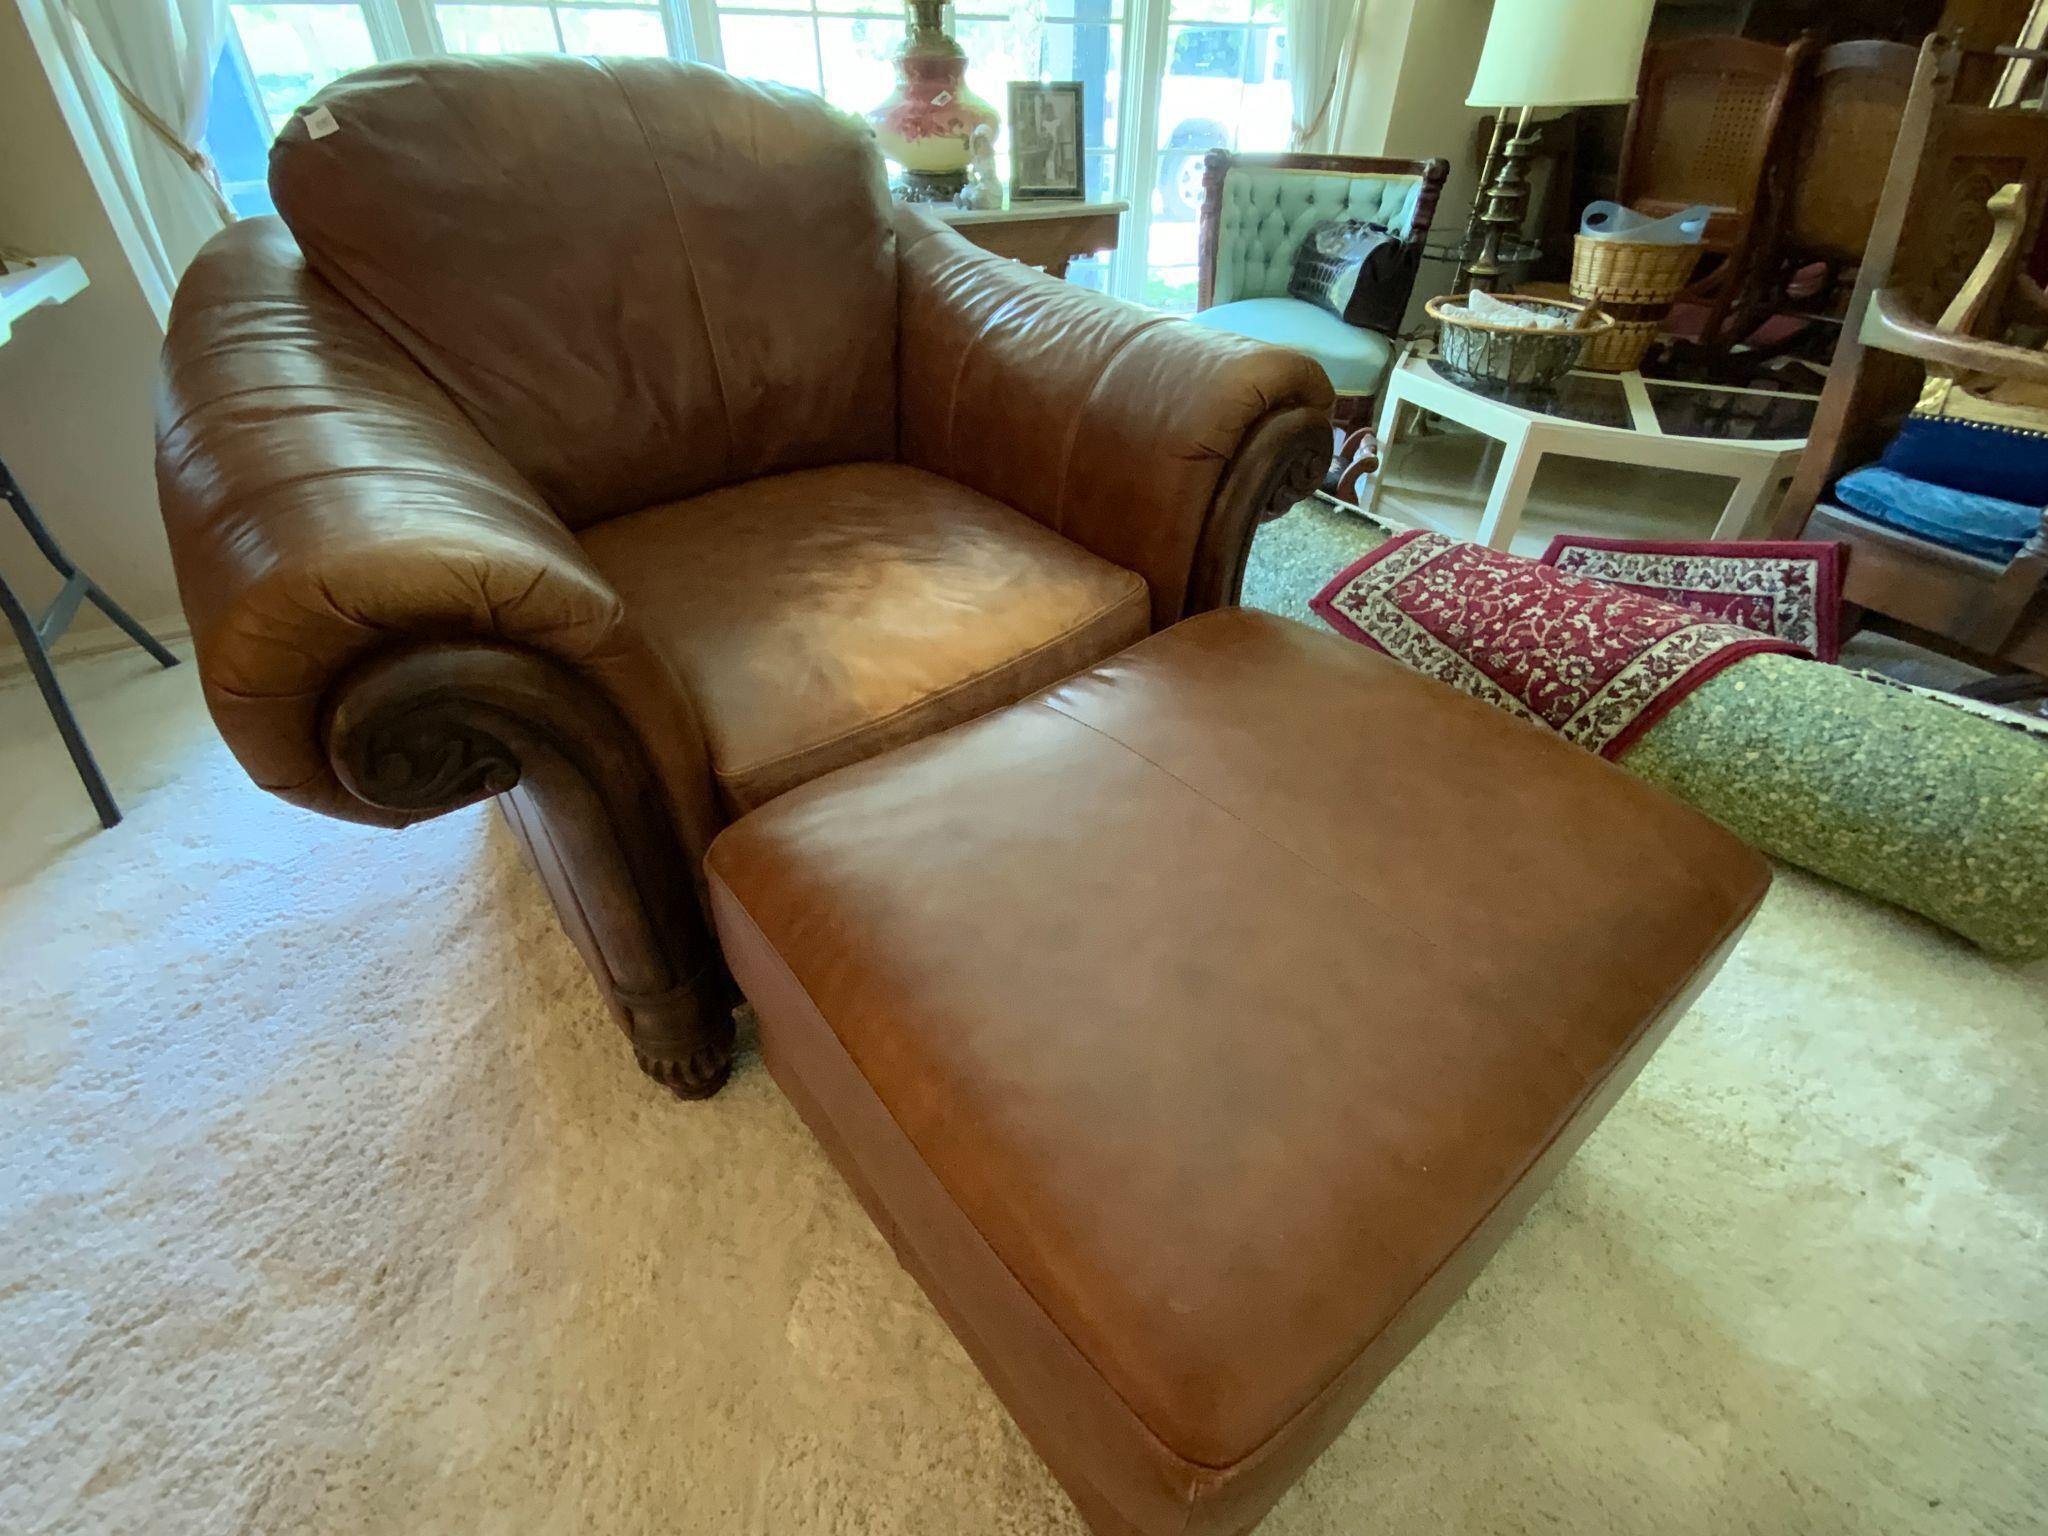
<point x="1891" y="358"/>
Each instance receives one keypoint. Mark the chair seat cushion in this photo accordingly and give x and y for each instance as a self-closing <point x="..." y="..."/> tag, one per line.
<point x="1355" y="360"/>
<point x="820" y="617"/>
<point x="1192" y="1086"/>
<point x="1983" y="526"/>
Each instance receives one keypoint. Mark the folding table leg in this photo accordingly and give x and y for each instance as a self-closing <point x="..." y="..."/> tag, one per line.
<point x="60" y="707"/>
<point x="38" y="635"/>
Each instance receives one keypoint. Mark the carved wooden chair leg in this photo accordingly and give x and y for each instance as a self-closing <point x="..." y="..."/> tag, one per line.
<point x="683" y="1036"/>
<point x="428" y="730"/>
<point x="1357" y="459"/>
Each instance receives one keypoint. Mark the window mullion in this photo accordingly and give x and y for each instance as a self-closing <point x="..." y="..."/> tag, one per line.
<point x="818" y="46"/>
<point x="1137" y="159"/>
<point x="693" y="30"/>
<point x="402" y="28"/>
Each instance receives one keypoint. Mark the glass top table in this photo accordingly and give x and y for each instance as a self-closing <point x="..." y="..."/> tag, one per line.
<point x="1678" y="409"/>
<point x="1753" y="437"/>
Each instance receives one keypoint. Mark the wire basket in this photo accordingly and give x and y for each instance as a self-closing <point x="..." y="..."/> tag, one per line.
<point x="1517" y="356"/>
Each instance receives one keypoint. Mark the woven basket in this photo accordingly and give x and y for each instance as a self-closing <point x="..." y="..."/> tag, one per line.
<point x="1629" y="271"/>
<point x="1621" y="347"/>
<point x="1635" y="282"/>
<point x="1522" y="356"/>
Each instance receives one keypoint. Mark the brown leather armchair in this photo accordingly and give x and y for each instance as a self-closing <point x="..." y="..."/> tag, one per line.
<point x="600" y="438"/>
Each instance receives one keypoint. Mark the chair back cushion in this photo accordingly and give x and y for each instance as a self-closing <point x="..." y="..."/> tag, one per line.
<point x="640" y="279"/>
<point x="1268" y="211"/>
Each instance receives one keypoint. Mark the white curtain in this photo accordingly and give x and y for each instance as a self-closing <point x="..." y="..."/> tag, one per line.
<point x="1317" y="32"/>
<point x="144" y="68"/>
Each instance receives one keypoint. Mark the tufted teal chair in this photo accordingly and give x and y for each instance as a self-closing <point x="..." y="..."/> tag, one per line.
<point x="1256" y="211"/>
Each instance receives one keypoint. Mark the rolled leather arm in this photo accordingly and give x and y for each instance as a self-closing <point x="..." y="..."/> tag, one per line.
<point x="326" y="502"/>
<point x="1151" y="442"/>
<point x="390" y="623"/>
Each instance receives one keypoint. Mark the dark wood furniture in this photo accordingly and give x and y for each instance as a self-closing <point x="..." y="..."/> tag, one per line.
<point x="1706" y="123"/>
<point x="1954" y="220"/>
<point x="1827" y="178"/>
<point x="1044" y="235"/>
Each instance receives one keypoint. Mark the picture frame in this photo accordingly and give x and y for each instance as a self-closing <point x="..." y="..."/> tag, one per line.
<point x="1047" y="141"/>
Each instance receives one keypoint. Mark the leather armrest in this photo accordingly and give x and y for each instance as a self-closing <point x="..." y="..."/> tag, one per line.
<point x="327" y="504"/>
<point x="1132" y="433"/>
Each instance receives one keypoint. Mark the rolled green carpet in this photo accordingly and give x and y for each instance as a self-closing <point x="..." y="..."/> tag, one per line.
<point x="1908" y="799"/>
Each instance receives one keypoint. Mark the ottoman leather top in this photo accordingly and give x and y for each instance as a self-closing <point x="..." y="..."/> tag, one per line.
<point x="1225" y="990"/>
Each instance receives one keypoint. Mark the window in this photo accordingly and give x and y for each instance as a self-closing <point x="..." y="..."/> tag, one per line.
<point x="1224" y="87"/>
<point x="555" y="26"/>
<point x="843" y="49"/>
<point x="1221" y="79"/>
<point x="290" y="51"/>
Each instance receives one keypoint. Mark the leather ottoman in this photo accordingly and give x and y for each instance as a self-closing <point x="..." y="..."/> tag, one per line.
<point x="1196" y="1029"/>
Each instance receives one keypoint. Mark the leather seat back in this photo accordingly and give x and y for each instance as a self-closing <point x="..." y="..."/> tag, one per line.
<point x="641" y="280"/>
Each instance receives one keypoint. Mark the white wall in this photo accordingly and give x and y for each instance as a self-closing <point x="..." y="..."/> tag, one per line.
<point x="1415" y="60"/>
<point x="76" y="382"/>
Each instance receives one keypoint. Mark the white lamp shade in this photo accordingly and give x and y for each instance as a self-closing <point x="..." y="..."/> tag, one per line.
<point x="1561" y="53"/>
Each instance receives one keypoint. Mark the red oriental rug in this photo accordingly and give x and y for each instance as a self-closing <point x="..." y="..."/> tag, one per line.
<point x="1791" y="589"/>
<point x="1598" y="664"/>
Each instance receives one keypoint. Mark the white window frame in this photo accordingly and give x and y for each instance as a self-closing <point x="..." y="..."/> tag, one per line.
<point x="406" y="28"/>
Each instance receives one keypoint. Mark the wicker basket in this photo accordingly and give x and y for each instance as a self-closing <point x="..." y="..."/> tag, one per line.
<point x="1635" y="282"/>
<point x="1519" y="356"/>
<point x="1622" y="346"/>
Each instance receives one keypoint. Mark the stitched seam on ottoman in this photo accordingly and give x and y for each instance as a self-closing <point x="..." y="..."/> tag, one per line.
<point x="1260" y="832"/>
<point x="953" y="1200"/>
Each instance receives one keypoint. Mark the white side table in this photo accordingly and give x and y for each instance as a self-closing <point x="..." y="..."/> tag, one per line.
<point x="1751" y="436"/>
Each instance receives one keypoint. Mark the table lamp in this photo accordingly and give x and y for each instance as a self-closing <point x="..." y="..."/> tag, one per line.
<point x="1541" y="53"/>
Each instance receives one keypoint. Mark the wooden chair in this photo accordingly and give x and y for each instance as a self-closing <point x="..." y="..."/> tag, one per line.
<point x="1954" y="220"/>
<point x="1705" y="126"/>
<point x="1823" y="188"/>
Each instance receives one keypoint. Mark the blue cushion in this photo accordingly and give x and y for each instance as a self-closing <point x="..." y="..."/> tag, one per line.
<point x="1984" y="526"/>
<point x="2005" y="462"/>
<point x="1355" y="360"/>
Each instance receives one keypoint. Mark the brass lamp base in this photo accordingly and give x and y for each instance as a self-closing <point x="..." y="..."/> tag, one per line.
<point x="1497" y="214"/>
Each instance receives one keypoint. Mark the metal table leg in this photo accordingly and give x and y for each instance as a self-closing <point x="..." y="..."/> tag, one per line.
<point x="37" y="635"/>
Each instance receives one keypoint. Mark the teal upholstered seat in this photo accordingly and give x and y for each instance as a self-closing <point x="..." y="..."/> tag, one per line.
<point x="1265" y="209"/>
<point x="1355" y="359"/>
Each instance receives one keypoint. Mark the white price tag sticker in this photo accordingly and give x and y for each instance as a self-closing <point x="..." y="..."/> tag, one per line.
<point x="320" y="123"/>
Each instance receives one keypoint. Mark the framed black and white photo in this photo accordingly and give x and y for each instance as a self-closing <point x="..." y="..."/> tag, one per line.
<point x="1045" y="139"/>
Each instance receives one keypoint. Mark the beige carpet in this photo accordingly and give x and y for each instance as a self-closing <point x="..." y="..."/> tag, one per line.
<point x="332" y="1204"/>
